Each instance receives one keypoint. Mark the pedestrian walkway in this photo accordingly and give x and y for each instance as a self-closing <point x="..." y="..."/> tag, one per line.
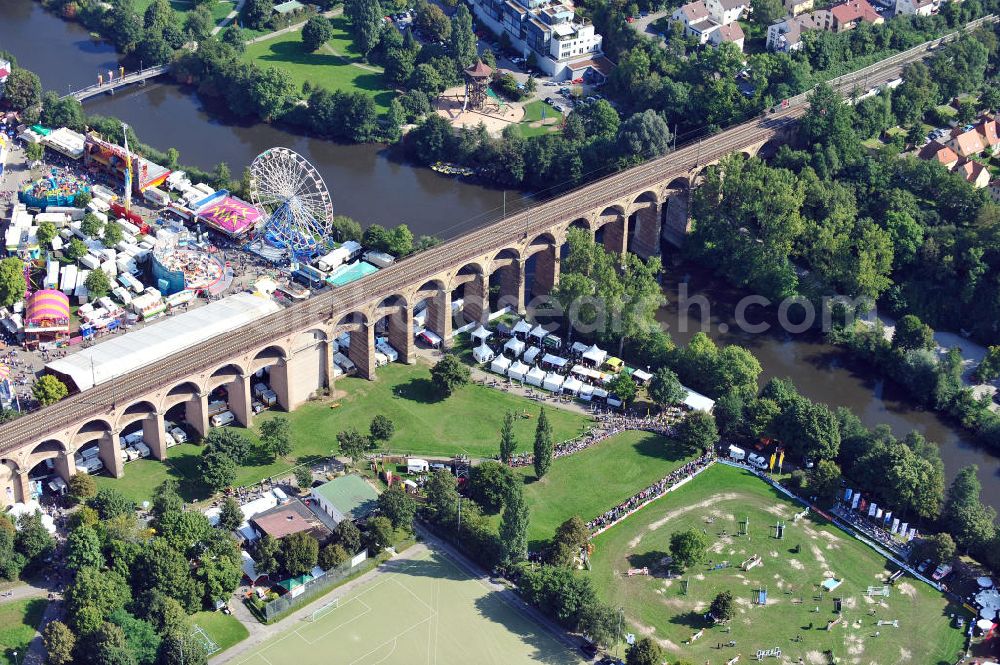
<point x="292" y="28"/>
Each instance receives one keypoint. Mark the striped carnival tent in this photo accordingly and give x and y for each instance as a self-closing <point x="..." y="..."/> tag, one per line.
<point x="46" y="318"/>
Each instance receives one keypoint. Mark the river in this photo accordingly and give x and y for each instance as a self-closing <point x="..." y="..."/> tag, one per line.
<point x="368" y="183"/>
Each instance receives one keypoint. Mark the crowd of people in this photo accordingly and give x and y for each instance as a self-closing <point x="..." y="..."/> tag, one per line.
<point x="659" y="488"/>
<point x="870" y="528"/>
<point x="611" y="424"/>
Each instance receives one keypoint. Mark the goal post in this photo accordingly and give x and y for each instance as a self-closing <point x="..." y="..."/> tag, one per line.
<point x="325" y="609"/>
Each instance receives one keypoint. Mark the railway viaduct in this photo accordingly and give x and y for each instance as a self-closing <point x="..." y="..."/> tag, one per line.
<point x="629" y="211"/>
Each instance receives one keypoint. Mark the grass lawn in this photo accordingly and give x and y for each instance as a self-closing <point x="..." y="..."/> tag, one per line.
<point x="418" y="610"/>
<point x="796" y="614"/>
<point x="334" y="66"/>
<point x="18" y="620"/>
<point x="534" y="112"/>
<point x="220" y="8"/>
<point x="223" y="629"/>
<point x="468" y="421"/>
<point x="619" y="466"/>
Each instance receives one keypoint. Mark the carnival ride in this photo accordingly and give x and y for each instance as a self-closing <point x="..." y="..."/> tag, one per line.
<point x="56" y="189"/>
<point x="295" y="199"/>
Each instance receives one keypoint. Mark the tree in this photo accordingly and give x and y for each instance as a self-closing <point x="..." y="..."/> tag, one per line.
<point x="367" y="22"/>
<point x="316" y="32"/>
<point x="166" y="499"/>
<point x="697" y="431"/>
<point x="113" y="235"/>
<point x="12" y="283"/>
<point x="644" y="652"/>
<point x="83" y="548"/>
<point x="92" y="225"/>
<point x="49" y="390"/>
<point x="398" y="506"/>
<point x="543" y="445"/>
<point x="989" y="367"/>
<point x="183" y="648"/>
<point x="723" y="607"/>
<point x="59" y="643"/>
<point x="82" y="487"/>
<point x="299" y="553"/>
<point x="345" y="228"/>
<point x="912" y="334"/>
<point x="432" y="22"/>
<point x="624" y="387"/>
<point x="508" y="444"/>
<point x="427" y="80"/>
<point x="378" y="534"/>
<point x="74" y="249"/>
<point x="643" y="136"/>
<point x="271" y="90"/>
<point x="940" y="547"/>
<point x="46" y="232"/>
<point x="487" y="484"/>
<point x="332" y="555"/>
<point x="230" y="442"/>
<point x="767" y="12"/>
<point x="198" y="23"/>
<point x="218" y="469"/>
<point x="256" y="13"/>
<point x="569" y="538"/>
<point x="276" y="436"/>
<point x="110" y="503"/>
<point x="665" y="388"/>
<point x="303" y="477"/>
<point x="824" y="480"/>
<point x="449" y="374"/>
<point x="230" y="515"/>
<point x="140" y="637"/>
<point x="233" y="36"/>
<point x="514" y="525"/>
<point x="970" y="522"/>
<point x="382" y="428"/>
<point x="463" y="39"/>
<point x="266" y="554"/>
<point x="687" y="548"/>
<point x="23" y="89"/>
<point x="348" y="535"/>
<point x="34" y="152"/>
<point x="102" y="590"/>
<point x="107" y="646"/>
<point x="98" y="285"/>
<point x="354" y="444"/>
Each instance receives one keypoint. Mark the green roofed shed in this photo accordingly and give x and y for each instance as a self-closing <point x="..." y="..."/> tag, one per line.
<point x="347" y="497"/>
<point x="289" y="7"/>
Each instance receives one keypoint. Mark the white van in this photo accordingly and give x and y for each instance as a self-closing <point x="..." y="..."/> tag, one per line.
<point x="757" y="461"/>
<point x="222" y="419"/>
<point x="417" y="465"/>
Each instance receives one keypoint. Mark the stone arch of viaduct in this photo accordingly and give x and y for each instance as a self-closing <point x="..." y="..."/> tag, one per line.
<point x="301" y="363"/>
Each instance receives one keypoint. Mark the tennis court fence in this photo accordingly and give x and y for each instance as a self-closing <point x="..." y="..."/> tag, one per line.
<point x="303" y="592"/>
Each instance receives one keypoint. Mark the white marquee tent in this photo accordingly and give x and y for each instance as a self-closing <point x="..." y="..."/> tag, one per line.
<point x="483" y="354"/>
<point x="552" y="382"/>
<point x="698" y="402"/>
<point x="481" y="334"/>
<point x="531" y="354"/>
<point x="517" y="370"/>
<point x="586" y="392"/>
<point x="535" y="376"/>
<point x="572" y="385"/>
<point x="595" y="355"/>
<point x="500" y="365"/>
<point x="539" y="333"/>
<point x="553" y="361"/>
<point x="514" y="346"/>
<point x="521" y="328"/>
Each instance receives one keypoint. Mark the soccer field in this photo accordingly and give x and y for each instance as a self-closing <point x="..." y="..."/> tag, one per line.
<point x="422" y="610"/>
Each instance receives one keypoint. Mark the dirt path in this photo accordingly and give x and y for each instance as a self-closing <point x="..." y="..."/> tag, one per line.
<point x="673" y="514"/>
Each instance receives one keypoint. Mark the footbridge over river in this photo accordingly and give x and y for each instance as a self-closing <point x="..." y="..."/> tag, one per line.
<point x="628" y="211"/>
<point x="111" y="84"/>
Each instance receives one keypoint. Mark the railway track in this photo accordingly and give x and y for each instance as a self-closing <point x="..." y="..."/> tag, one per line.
<point x="491" y="237"/>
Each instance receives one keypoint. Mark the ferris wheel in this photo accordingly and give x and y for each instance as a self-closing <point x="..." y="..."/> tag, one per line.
<point x="293" y="195"/>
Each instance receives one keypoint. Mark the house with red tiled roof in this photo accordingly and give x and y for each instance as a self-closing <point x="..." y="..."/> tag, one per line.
<point x="966" y="143"/>
<point x="714" y="22"/>
<point x="942" y="154"/>
<point x="728" y="33"/>
<point x="975" y="173"/>
<point x="847" y="15"/>
<point x="989" y="132"/>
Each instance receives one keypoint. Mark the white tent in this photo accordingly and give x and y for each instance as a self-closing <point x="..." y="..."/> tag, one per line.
<point x="552" y="381"/>
<point x="586" y="391"/>
<point x="483" y="354"/>
<point x="531" y="354"/>
<point x="517" y="370"/>
<point x="579" y="348"/>
<point x="586" y="373"/>
<point x="500" y="365"/>
<point x="521" y="328"/>
<point x="595" y="355"/>
<point x="432" y="338"/>
<point x="698" y="402"/>
<point x="535" y="376"/>
<point x="572" y="386"/>
<point x="515" y="346"/>
<point x="539" y="333"/>
<point x="553" y="361"/>
<point x="481" y="334"/>
<point x="640" y="376"/>
<point x="600" y="393"/>
<point x="614" y="401"/>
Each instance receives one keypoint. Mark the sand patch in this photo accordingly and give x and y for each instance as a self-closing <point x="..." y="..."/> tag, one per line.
<point x="829" y="573"/>
<point x="904" y="654"/>
<point x="774" y="554"/>
<point x="777" y="509"/>
<point x="699" y="577"/>
<point x="907" y="589"/>
<point x="850" y="603"/>
<point x="796" y="564"/>
<point x="673" y="514"/>
<point x="700" y="607"/>
<point x="740" y="600"/>
<point x="818" y="553"/>
<point x="815" y="658"/>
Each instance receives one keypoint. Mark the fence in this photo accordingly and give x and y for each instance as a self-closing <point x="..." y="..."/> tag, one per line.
<point x="317" y="586"/>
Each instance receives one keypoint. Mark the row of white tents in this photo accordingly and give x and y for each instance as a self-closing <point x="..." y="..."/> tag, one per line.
<point x="550" y="381"/>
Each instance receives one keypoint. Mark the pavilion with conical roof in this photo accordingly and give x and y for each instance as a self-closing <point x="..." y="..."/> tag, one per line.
<point x="477" y="81"/>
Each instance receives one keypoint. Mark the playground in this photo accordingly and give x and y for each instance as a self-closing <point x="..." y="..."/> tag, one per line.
<point x="497" y="113"/>
<point x="803" y="588"/>
<point x="421" y="610"/>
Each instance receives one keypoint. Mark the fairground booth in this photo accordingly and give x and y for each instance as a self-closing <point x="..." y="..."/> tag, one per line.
<point x="46" y="319"/>
<point x="55" y="189"/>
<point x="112" y="158"/>
<point x="228" y="214"/>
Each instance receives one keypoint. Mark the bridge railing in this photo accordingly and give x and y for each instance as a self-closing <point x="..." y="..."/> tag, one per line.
<point x="124" y="80"/>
